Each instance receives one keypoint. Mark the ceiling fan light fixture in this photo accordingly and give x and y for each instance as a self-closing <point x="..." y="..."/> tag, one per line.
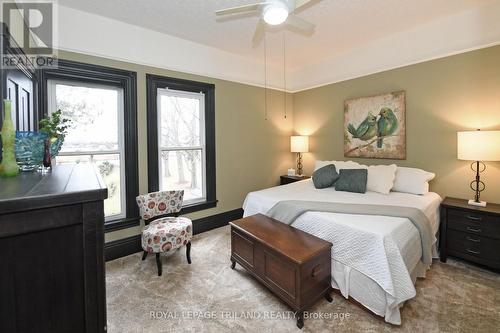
<point x="275" y="13"/>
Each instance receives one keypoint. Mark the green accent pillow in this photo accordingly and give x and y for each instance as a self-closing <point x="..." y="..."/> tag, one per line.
<point x="325" y="177"/>
<point x="352" y="180"/>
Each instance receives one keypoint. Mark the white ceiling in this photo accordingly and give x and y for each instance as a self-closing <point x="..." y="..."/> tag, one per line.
<point x="353" y="38"/>
<point x="342" y="25"/>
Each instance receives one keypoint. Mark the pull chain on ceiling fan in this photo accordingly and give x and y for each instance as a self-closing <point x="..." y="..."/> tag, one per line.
<point x="284" y="77"/>
<point x="284" y="74"/>
<point x="265" y="77"/>
<point x="273" y="12"/>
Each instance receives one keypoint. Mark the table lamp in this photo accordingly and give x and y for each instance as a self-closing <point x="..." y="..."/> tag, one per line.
<point x="299" y="144"/>
<point x="478" y="146"/>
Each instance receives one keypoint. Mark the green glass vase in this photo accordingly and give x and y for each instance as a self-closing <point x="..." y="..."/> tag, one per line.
<point x="8" y="167"/>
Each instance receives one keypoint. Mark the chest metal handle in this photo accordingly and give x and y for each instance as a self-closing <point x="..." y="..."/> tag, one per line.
<point x="475" y="240"/>
<point x="316" y="271"/>
<point x="472" y="251"/>
<point x="473" y="229"/>
<point x="474" y="218"/>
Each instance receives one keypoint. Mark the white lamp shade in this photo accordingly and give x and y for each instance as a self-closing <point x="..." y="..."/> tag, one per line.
<point x="478" y="145"/>
<point x="299" y="144"/>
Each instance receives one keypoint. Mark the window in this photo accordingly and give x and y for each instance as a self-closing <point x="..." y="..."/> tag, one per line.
<point x="181" y="143"/>
<point x="181" y="139"/>
<point x="102" y="104"/>
<point x="96" y="134"/>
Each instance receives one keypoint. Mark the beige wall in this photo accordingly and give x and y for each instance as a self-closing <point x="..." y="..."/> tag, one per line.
<point x="444" y="96"/>
<point x="251" y="152"/>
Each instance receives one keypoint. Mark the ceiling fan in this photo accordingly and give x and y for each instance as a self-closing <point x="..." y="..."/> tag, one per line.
<point x="273" y="12"/>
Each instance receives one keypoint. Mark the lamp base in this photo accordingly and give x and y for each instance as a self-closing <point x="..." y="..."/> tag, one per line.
<point x="299" y="164"/>
<point x="475" y="203"/>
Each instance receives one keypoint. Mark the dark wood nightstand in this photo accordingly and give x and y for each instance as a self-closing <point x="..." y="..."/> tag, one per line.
<point x="291" y="179"/>
<point x="469" y="232"/>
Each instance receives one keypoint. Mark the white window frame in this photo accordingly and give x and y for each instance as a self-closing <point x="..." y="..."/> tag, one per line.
<point x="52" y="106"/>
<point x="201" y="99"/>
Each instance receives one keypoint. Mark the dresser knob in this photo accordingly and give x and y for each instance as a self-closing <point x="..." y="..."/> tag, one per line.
<point x="472" y="251"/>
<point x="474" y="218"/>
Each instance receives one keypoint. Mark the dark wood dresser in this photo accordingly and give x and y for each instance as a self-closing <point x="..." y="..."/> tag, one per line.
<point x="293" y="264"/>
<point x="286" y="179"/>
<point x="471" y="233"/>
<point x="51" y="251"/>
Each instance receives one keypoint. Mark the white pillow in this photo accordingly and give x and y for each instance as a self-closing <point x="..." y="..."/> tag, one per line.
<point x="320" y="164"/>
<point x="412" y="180"/>
<point x="381" y="178"/>
<point x="339" y="165"/>
<point x="348" y="165"/>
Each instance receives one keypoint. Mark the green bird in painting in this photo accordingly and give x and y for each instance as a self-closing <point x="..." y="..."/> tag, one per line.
<point x="366" y="130"/>
<point x="387" y="125"/>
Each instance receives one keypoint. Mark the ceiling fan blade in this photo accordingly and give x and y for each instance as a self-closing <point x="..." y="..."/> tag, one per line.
<point x="298" y="23"/>
<point x="300" y="3"/>
<point x="259" y="32"/>
<point x="240" y="9"/>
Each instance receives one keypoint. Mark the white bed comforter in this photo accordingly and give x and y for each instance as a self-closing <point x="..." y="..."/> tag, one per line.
<point x="385" y="249"/>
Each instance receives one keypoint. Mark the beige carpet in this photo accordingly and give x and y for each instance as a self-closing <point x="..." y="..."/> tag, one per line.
<point x="207" y="296"/>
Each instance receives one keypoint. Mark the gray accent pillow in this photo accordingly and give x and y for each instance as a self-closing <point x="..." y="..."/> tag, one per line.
<point x="325" y="177"/>
<point x="352" y="180"/>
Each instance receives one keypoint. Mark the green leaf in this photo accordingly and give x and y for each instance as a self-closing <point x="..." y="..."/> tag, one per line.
<point x="53" y="125"/>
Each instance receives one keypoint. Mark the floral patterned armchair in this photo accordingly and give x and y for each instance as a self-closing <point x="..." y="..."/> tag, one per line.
<point x="164" y="233"/>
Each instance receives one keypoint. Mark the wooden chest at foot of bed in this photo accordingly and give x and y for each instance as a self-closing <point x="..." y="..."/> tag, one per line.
<point x="294" y="265"/>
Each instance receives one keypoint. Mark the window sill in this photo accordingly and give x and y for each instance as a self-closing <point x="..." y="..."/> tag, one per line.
<point x="119" y="224"/>
<point x="194" y="207"/>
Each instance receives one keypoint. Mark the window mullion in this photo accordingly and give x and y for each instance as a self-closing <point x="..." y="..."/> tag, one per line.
<point x="182" y="148"/>
<point x="89" y="152"/>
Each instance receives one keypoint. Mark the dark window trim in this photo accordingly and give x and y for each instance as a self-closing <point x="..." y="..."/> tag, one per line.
<point x="127" y="80"/>
<point x="153" y="82"/>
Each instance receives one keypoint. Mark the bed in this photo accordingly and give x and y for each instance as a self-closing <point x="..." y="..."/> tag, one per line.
<point x="375" y="259"/>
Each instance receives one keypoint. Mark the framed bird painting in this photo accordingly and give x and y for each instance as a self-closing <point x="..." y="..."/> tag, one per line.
<point x="375" y="126"/>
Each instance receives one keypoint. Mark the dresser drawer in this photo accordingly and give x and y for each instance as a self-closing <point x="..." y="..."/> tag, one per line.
<point x="474" y="223"/>
<point x="474" y="245"/>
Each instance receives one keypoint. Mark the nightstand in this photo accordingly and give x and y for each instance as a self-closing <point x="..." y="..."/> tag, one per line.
<point x="469" y="232"/>
<point x="291" y="179"/>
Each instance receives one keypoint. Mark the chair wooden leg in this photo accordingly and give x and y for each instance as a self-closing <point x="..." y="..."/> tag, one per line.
<point x="144" y="255"/>
<point x="188" y="252"/>
<point x="158" y="263"/>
